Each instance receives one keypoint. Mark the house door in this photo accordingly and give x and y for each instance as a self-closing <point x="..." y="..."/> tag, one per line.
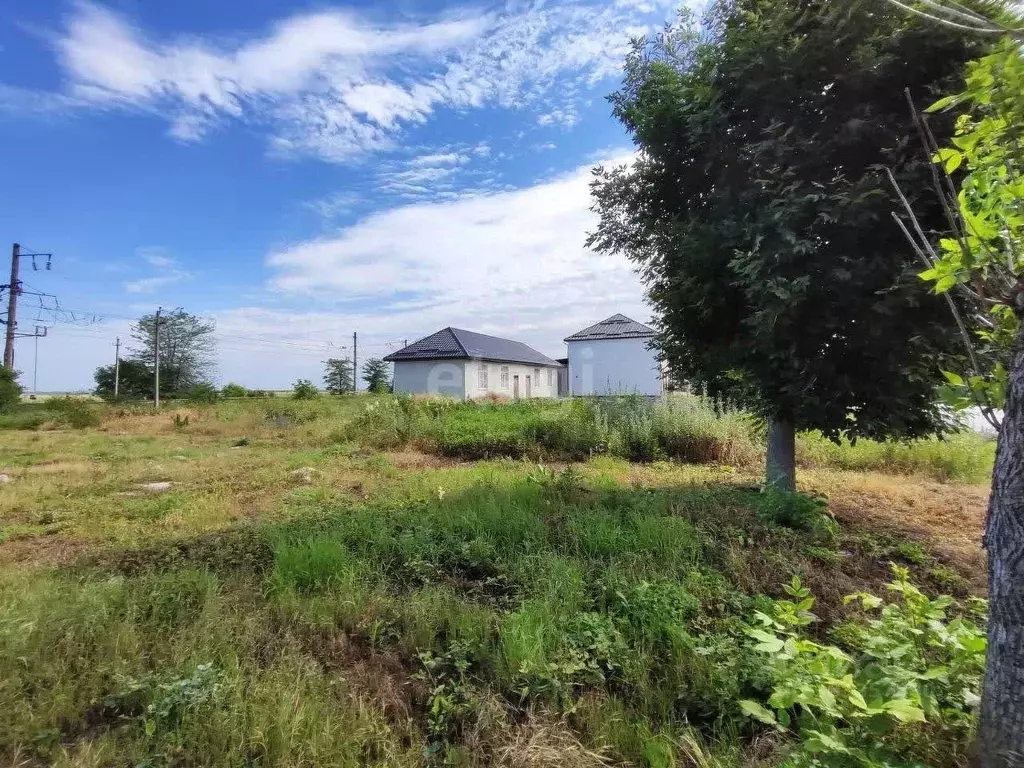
<point x="528" y="388"/>
<point x="515" y="387"/>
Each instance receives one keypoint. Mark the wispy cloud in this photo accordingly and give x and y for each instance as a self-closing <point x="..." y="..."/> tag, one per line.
<point x="333" y="84"/>
<point x="168" y="272"/>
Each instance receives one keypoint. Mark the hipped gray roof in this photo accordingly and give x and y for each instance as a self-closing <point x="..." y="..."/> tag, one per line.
<point x="615" y="327"/>
<point x="454" y="343"/>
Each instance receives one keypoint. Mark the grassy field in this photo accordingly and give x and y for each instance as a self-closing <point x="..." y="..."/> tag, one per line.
<point x="380" y="581"/>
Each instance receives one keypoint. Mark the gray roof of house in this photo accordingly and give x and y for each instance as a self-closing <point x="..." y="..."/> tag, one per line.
<point x="615" y="327"/>
<point x="458" y="343"/>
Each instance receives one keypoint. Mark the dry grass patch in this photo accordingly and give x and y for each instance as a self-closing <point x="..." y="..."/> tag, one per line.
<point x="948" y="518"/>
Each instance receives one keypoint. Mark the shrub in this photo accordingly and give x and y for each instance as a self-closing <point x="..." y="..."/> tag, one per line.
<point x="911" y="664"/>
<point x="234" y="390"/>
<point x="385" y="423"/>
<point x="575" y="430"/>
<point x="73" y="412"/>
<point x="10" y="389"/>
<point x="304" y="389"/>
<point x="201" y="393"/>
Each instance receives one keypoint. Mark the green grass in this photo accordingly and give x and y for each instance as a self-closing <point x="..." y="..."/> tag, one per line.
<point x="965" y="457"/>
<point x="377" y="613"/>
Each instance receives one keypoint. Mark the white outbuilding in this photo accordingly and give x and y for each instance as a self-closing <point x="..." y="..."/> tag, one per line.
<point x="614" y="357"/>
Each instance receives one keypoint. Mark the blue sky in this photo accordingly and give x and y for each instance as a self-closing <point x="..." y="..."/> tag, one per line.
<point x="300" y="171"/>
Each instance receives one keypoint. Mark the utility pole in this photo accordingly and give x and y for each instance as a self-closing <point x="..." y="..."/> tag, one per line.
<point x="355" y="367"/>
<point x="12" y="306"/>
<point x="117" y="366"/>
<point x="156" y="361"/>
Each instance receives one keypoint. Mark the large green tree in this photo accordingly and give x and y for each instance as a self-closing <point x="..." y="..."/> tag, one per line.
<point x="188" y="348"/>
<point x="759" y="219"/>
<point x="135" y="381"/>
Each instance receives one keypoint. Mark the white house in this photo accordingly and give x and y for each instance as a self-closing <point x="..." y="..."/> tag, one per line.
<point x="614" y="357"/>
<point x="465" y="364"/>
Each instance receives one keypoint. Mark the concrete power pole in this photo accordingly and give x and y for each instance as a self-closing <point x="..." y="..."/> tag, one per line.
<point x="156" y="361"/>
<point x="355" y="366"/>
<point x="12" y="306"/>
<point x="117" y="367"/>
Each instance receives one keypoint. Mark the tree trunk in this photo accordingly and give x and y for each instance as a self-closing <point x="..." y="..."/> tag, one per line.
<point x="781" y="461"/>
<point x="1001" y="731"/>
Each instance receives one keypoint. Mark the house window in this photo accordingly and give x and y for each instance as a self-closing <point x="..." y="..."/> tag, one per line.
<point x="536" y="376"/>
<point x="549" y="377"/>
<point x="504" y="377"/>
<point x="482" y="376"/>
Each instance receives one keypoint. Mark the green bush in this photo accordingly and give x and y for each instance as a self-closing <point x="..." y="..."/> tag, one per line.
<point x="202" y="393"/>
<point x="73" y="412"/>
<point x="912" y="664"/>
<point x="234" y="390"/>
<point x="304" y="389"/>
<point x="10" y="389"/>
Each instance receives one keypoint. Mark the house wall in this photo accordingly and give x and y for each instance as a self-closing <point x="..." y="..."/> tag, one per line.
<point x="494" y="379"/>
<point x="431" y="377"/>
<point x="613" y="367"/>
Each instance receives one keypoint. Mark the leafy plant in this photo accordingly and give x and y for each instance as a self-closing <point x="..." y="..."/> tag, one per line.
<point x="159" y="703"/>
<point x="203" y="393"/>
<point x="799" y="511"/>
<point x="304" y="389"/>
<point x="72" y="411"/>
<point x="910" y="663"/>
<point x="451" y="706"/>
<point x="10" y="389"/>
<point x="234" y="390"/>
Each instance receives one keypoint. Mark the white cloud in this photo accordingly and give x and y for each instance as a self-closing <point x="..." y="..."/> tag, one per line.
<point x="333" y="84"/>
<point x="440" y="158"/>
<point x="566" y="117"/>
<point x="167" y="268"/>
<point x="510" y="263"/>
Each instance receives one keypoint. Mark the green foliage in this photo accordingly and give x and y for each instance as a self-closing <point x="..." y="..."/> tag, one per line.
<point x="965" y="457"/>
<point x="338" y="376"/>
<point x="451" y="706"/>
<point x="233" y="390"/>
<point x="202" y="393"/>
<point x="10" y="389"/>
<point x="135" y="381"/>
<point x="984" y="249"/>
<point x="187" y="348"/>
<point x="304" y="389"/>
<point x="377" y="375"/>
<point x="754" y="210"/>
<point x="73" y="412"/>
<point x="799" y="511"/>
<point x="910" y="663"/>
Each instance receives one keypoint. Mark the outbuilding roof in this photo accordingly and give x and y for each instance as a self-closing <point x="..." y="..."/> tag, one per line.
<point x="454" y="343"/>
<point x="615" y="327"/>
